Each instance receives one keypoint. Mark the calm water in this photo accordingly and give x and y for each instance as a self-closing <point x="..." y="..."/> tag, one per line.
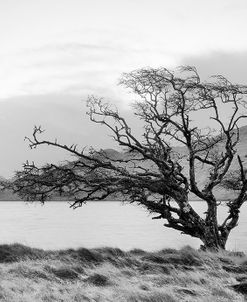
<point x="56" y="226"/>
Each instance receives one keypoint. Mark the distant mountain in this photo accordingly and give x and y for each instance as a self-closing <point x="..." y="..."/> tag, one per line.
<point x="7" y="195"/>
<point x="220" y="193"/>
<point x="201" y="171"/>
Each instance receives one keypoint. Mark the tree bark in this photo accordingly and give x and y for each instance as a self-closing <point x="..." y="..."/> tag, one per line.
<point x="212" y="237"/>
<point x="212" y="241"/>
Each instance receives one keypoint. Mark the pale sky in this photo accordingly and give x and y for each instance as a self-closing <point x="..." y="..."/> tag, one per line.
<point x="55" y="52"/>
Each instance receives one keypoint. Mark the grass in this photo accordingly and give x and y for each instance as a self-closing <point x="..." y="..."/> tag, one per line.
<point x="108" y="274"/>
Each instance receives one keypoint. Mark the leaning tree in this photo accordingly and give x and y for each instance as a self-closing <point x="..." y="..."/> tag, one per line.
<point x="151" y="171"/>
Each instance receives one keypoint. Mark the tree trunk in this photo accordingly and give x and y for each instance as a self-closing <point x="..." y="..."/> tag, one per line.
<point x="213" y="240"/>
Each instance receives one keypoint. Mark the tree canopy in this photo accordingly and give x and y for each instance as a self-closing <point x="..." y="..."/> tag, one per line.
<point x="152" y="172"/>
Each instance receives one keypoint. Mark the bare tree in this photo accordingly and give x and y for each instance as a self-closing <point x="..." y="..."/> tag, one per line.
<point x="151" y="173"/>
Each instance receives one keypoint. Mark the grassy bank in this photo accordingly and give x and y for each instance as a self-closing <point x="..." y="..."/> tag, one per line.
<point x="108" y="274"/>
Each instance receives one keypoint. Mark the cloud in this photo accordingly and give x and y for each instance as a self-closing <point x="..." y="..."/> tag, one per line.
<point x="62" y="116"/>
<point x="232" y="65"/>
<point x="62" y="113"/>
<point x="71" y="66"/>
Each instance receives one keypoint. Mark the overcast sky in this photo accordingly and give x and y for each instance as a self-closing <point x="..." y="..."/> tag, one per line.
<point x="55" y="52"/>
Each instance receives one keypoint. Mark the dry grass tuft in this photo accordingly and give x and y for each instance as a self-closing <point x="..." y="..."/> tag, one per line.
<point x="64" y="272"/>
<point x="16" y="252"/>
<point x="98" y="280"/>
<point x="110" y="274"/>
<point x="155" y="296"/>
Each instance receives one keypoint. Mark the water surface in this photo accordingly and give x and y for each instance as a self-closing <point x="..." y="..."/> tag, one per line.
<point x="96" y="224"/>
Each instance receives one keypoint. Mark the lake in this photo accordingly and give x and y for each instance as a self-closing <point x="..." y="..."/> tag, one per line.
<point x="96" y="224"/>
